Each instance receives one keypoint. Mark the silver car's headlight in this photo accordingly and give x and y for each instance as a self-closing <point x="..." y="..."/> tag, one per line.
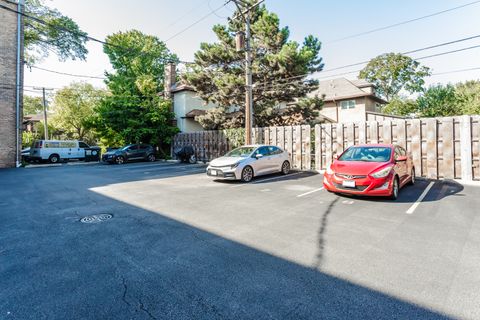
<point x="233" y="166"/>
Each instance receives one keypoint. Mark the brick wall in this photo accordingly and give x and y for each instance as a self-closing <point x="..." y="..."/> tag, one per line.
<point x="8" y="59"/>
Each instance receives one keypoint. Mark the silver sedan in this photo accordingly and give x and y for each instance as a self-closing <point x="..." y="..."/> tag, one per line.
<point x="246" y="162"/>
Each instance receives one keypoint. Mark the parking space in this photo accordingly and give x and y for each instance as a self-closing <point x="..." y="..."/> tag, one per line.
<point x="181" y="245"/>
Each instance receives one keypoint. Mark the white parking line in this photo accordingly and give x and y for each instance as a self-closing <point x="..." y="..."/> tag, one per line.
<point x="263" y="180"/>
<point x="424" y="193"/>
<point x="309" y="192"/>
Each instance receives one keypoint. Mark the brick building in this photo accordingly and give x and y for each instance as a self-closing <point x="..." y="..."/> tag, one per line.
<point x="8" y="81"/>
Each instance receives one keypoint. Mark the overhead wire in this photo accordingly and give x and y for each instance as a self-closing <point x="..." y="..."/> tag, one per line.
<point x="400" y="23"/>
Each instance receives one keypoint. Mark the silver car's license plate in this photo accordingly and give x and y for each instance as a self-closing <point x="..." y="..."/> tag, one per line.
<point x="213" y="172"/>
<point x="348" y="183"/>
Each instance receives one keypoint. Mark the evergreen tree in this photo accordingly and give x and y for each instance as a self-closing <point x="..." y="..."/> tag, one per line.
<point x="279" y="66"/>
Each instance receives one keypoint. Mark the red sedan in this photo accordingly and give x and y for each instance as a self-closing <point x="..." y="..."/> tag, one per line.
<point x="370" y="170"/>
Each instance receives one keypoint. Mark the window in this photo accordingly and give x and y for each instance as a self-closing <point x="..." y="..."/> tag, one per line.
<point x="83" y="145"/>
<point x="397" y="153"/>
<point x="241" y="152"/>
<point x="262" y="150"/>
<point x="347" y="104"/>
<point x="366" y="154"/>
<point x="274" y="150"/>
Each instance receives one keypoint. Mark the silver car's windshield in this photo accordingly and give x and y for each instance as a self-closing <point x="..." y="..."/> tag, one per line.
<point x="242" y="152"/>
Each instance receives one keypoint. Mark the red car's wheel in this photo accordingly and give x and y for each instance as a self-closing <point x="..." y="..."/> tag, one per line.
<point x="395" y="188"/>
<point x="412" y="177"/>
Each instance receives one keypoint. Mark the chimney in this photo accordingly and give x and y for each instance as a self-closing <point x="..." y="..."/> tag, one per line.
<point x="170" y="79"/>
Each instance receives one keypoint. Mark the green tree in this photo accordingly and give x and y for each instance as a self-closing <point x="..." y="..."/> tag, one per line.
<point x="278" y="69"/>
<point x="52" y="36"/>
<point x="468" y="97"/>
<point x="135" y="111"/>
<point x="401" y="107"/>
<point x="393" y="72"/>
<point x="32" y="105"/>
<point x="438" y="101"/>
<point x="73" y="110"/>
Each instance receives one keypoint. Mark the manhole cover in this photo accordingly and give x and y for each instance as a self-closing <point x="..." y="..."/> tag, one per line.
<point x="96" y="218"/>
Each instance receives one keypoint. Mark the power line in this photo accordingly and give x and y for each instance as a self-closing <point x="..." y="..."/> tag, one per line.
<point x="456" y="71"/>
<point x="400" y="23"/>
<point x="84" y="35"/>
<point x="68" y="74"/>
<point x="195" y="8"/>
<point x="198" y="21"/>
<point x="267" y="85"/>
<point x="407" y="52"/>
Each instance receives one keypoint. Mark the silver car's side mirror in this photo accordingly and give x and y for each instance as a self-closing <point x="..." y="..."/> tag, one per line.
<point x="258" y="156"/>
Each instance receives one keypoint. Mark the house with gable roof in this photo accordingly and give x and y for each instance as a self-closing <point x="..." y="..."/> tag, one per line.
<point x="345" y="101"/>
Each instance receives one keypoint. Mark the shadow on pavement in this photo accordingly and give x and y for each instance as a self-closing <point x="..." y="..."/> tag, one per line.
<point x="410" y="194"/>
<point x="141" y="264"/>
<point x="275" y="177"/>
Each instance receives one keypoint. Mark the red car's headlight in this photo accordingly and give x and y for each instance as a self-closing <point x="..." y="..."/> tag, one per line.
<point x="329" y="170"/>
<point x="382" y="173"/>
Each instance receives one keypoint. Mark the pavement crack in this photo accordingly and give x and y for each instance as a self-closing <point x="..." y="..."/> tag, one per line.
<point x="142" y="307"/>
<point x="125" y="289"/>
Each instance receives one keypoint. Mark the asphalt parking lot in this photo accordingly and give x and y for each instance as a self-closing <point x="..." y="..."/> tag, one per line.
<point x="164" y="241"/>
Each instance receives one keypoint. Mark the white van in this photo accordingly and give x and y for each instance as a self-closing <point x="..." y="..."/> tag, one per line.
<point x="56" y="150"/>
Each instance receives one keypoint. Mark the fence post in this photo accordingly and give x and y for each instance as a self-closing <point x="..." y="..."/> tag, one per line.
<point x="373" y="132"/>
<point x="350" y="134"/>
<point x="328" y="145"/>
<point x="318" y="147"/>
<point x="466" y="147"/>
<point x="432" y="153"/>
<point x="415" y="133"/>
<point x="289" y="142"/>
<point x="448" y="156"/>
<point x="306" y="146"/>
<point x="298" y="146"/>
<point x="362" y="133"/>
<point x="401" y="131"/>
<point x="387" y="131"/>
<point x="340" y="139"/>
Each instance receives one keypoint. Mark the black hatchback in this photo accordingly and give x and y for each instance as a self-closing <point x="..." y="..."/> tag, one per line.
<point x="129" y="153"/>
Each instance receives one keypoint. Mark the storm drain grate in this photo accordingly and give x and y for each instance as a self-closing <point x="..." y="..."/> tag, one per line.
<point x="96" y="218"/>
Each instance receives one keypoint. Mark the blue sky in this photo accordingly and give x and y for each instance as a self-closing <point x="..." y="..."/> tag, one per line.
<point x="327" y="20"/>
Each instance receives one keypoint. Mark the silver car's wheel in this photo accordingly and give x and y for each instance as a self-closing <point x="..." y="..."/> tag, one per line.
<point x="247" y="174"/>
<point x="286" y="167"/>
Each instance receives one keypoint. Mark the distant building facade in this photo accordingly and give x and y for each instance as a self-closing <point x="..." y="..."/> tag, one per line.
<point x="348" y="100"/>
<point x="344" y="101"/>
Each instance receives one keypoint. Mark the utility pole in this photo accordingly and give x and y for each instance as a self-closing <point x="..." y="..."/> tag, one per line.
<point x="246" y="15"/>
<point x="248" y="83"/>
<point x="45" y="129"/>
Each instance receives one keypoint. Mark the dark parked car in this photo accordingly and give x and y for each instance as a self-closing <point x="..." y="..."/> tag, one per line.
<point x="130" y="152"/>
<point x="26" y="155"/>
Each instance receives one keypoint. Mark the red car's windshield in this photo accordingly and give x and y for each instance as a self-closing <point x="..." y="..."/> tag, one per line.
<point x="367" y="154"/>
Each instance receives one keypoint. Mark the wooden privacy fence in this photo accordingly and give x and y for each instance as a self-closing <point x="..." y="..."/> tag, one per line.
<point x="446" y="147"/>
